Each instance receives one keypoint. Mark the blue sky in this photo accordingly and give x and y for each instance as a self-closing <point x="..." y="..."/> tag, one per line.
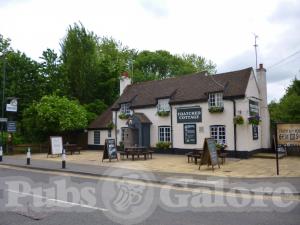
<point x="221" y="31"/>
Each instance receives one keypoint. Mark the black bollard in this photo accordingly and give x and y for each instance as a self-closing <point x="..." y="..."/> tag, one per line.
<point x="1" y="153"/>
<point x="63" y="156"/>
<point x="28" y="156"/>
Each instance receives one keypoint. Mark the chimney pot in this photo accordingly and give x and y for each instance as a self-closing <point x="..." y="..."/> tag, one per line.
<point x="261" y="66"/>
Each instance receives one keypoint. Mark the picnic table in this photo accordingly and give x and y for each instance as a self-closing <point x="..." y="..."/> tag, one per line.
<point x="136" y="151"/>
<point x="72" y="148"/>
<point x="194" y="155"/>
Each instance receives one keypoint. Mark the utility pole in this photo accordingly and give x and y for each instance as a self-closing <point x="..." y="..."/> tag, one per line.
<point x="3" y="98"/>
<point x="255" y="47"/>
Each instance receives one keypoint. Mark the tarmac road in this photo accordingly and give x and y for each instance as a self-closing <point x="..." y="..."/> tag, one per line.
<point x="41" y="197"/>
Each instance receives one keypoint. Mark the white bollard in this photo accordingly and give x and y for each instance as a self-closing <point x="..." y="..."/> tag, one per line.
<point x="63" y="156"/>
<point x="28" y="156"/>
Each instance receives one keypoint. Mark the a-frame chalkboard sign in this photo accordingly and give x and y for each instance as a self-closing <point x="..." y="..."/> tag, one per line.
<point x="110" y="150"/>
<point x="210" y="155"/>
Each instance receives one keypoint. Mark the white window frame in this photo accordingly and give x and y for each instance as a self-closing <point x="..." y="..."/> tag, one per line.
<point x="96" y="137"/>
<point x="163" y="105"/>
<point x="164" y="133"/>
<point x="125" y="108"/>
<point x="218" y="132"/>
<point x="215" y="99"/>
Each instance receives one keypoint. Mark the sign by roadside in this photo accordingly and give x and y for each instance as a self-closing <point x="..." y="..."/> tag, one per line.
<point x="3" y="120"/>
<point x="288" y="133"/>
<point x="11" y="126"/>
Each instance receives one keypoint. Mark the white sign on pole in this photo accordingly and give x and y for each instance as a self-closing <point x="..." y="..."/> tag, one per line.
<point x="3" y="120"/>
<point x="56" y="145"/>
<point x="11" y="108"/>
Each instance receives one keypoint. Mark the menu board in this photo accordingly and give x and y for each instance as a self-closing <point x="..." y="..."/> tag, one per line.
<point x="56" y="145"/>
<point x="212" y="149"/>
<point x="190" y="135"/>
<point x="210" y="155"/>
<point x="110" y="150"/>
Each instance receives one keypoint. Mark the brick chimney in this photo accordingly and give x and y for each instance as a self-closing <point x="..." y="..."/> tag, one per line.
<point x="264" y="111"/>
<point x="125" y="80"/>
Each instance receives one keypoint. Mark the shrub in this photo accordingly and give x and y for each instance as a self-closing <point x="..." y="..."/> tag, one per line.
<point x="163" y="145"/>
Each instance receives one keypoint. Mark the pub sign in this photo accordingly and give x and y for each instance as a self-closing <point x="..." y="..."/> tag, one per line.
<point x="189" y="115"/>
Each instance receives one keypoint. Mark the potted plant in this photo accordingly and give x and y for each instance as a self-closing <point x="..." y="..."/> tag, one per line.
<point x="216" y="109"/>
<point x="254" y="120"/>
<point x="123" y="116"/>
<point x="121" y="144"/>
<point x="221" y="147"/>
<point x="163" y="147"/>
<point x="163" y="113"/>
<point x="238" y="120"/>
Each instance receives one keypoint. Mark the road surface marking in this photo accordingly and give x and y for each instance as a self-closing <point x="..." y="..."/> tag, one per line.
<point x="56" y="200"/>
<point x="202" y="190"/>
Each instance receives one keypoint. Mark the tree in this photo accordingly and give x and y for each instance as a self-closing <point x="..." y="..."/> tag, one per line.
<point x="79" y="57"/>
<point x="162" y="64"/>
<point x="53" y="115"/>
<point x="51" y="71"/>
<point x="288" y="108"/>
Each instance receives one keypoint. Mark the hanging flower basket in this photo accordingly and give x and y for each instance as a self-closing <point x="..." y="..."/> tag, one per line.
<point x="254" y="120"/>
<point x="239" y="120"/>
<point x="163" y="113"/>
<point x="110" y="125"/>
<point x="123" y="116"/>
<point x="216" y="109"/>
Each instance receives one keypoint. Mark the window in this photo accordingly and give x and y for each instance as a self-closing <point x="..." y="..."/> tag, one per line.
<point x="164" y="134"/>
<point x="218" y="133"/>
<point x="109" y="133"/>
<point x="163" y="105"/>
<point x="125" y="108"/>
<point x="190" y="136"/>
<point x="97" y="137"/>
<point x="215" y="99"/>
<point x="253" y="108"/>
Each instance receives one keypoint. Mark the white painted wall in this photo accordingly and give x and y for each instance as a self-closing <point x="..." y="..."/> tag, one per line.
<point x="124" y="82"/>
<point x="103" y="136"/>
<point x="245" y="140"/>
<point x="225" y="118"/>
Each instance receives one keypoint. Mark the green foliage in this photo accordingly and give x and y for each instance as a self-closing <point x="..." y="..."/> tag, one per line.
<point x="216" y="109"/>
<point x="55" y="81"/>
<point x="163" y="145"/>
<point x="163" y="113"/>
<point x="123" y="116"/>
<point x="238" y="120"/>
<point x="53" y="115"/>
<point x="162" y="64"/>
<point x="94" y="109"/>
<point x="254" y="120"/>
<point x="111" y="125"/>
<point x="288" y="108"/>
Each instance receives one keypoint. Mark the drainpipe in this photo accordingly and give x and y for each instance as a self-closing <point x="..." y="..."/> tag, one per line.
<point x="171" y="126"/>
<point x="116" y="128"/>
<point x="234" y="128"/>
